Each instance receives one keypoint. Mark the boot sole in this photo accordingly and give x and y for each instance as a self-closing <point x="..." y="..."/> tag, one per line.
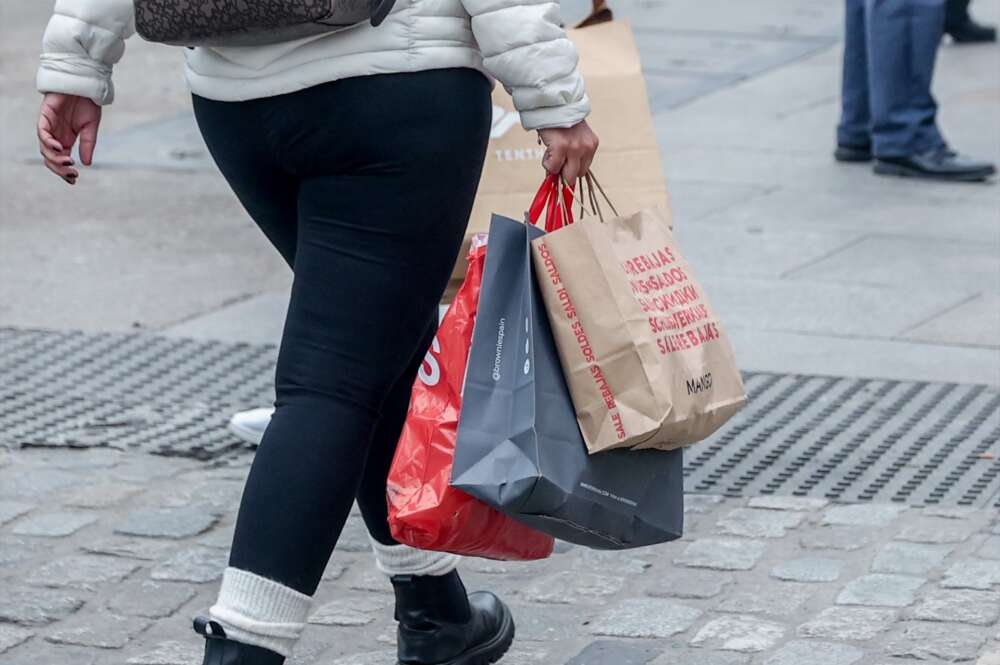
<point x="883" y="168"/>
<point x="492" y="651"/>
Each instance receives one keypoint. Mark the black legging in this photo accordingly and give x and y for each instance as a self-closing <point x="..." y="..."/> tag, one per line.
<point x="365" y="186"/>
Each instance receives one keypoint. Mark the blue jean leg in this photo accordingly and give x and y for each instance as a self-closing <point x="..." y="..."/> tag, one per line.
<point x="890" y="47"/>
<point x="855" y="126"/>
<point x="902" y="42"/>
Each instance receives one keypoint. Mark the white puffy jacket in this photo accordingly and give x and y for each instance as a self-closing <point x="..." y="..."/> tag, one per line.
<point x="519" y="42"/>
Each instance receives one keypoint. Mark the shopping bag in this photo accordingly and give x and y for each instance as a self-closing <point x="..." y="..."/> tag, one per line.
<point x="646" y="358"/>
<point x="424" y="511"/>
<point x="620" y="115"/>
<point x="519" y="448"/>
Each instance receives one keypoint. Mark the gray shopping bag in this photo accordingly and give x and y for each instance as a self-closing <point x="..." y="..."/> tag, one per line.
<point x="519" y="446"/>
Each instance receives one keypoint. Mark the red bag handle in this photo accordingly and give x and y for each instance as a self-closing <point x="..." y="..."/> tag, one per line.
<point x="538" y="204"/>
<point x="547" y="200"/>
<point x="552" y="218"/>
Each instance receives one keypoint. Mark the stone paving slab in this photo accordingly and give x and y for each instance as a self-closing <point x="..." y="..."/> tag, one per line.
<point x="26" y="606"/>
<point x="198" y="565"/>
<point x="720" y="554"/>
<point x="168" y="653"/>
<point x="752" y="523"/>
<point x="799" y="503"/>
<point x="10" y="510"/>
<point x="808" y="570"/>
<point x="846" y="539"/>
<point x="834" y="355"/>
<point x="740" y="633"/>
<point x="100" y="496"/>
<point x="975" y="322"/>
<point x="82" y="571"/>
<point x="910" y="558"/>
<point x="679" y="656"/>
<point x="355" y="610"/>
<point x="990" y="548"/>
<point x="936" y="531"/>
<point x="766" y="599"/>
<point x="568" y="587"/>
<point x="873" y="515"/>
<point x="972" y="574"/>
<point x="894" y="261"/>
<point x="650" y="617"/>
<point x="98" y="630"/>
<point x="151" y="600"/>
<point x="53" y="525"/>
<point x="11" y="636"/>
<point x="849" y="623"/>
<point x="828" y="307"/>
<point x="959" y="606"/>
<point x="827" y="653"/>
<point x="689" y="584"/>
<point x="880" y="590"/>
<point x="924" y="641"/>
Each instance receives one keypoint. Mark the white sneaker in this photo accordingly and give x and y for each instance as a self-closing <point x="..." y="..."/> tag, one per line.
<point x="249" y="425"/>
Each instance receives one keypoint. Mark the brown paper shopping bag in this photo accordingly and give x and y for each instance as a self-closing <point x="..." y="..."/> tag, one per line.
<point x="609" y="62"/>
<point x="647" y="361"/>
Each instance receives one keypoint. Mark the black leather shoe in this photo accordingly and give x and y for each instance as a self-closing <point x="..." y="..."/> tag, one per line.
<point x="970" y="32"/>
<point x="853" y="153"/>
<point x="938" y="164"/>
<point x="220" y="650"/>
<point x="439" y="624"/>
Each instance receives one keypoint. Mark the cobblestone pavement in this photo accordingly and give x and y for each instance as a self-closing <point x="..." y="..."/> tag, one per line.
<point x="105" y="556"/>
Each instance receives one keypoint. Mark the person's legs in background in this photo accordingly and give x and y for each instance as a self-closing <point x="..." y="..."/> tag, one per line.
<point x="895" y="42"/>
<point x="854" y="131"/>
<point x="963" y="28"/>
<point x="902" y="43"/>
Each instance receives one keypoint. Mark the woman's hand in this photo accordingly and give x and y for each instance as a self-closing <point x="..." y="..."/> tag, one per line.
<point x="61" y="120"/>
<point x="569" y="151"/>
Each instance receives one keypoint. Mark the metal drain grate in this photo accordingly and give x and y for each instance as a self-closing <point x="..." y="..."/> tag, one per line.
<point x="165" y="396"/>
<point x="857" y="440"/>
<point x="844" y="439"/>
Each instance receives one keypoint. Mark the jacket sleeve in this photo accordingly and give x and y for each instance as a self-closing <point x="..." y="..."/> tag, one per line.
<point x="525" y="48"/>
<point x="83" y="40"/>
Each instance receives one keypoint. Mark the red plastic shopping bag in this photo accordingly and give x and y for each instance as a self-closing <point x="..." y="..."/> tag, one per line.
<point x="424" y="510"/>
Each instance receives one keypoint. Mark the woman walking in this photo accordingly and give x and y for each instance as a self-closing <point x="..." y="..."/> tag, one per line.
<point x="358" y="154"/>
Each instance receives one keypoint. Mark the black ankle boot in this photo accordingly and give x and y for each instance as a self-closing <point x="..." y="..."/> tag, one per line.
<point x="439" y="624"/>
<point x="220" y="650"/>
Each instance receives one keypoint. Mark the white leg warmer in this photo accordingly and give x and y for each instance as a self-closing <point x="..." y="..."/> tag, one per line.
<point x="406" y="560"/>
<point x="258" y="611"/>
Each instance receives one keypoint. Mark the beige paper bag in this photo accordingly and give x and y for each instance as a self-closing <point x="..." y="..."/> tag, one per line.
<point x="628" y="156"/>
<point x="646" y="359"/>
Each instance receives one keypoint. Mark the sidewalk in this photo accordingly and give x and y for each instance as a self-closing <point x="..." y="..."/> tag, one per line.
<point x="105" y="556"/>
<point x="844" y="293"/>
